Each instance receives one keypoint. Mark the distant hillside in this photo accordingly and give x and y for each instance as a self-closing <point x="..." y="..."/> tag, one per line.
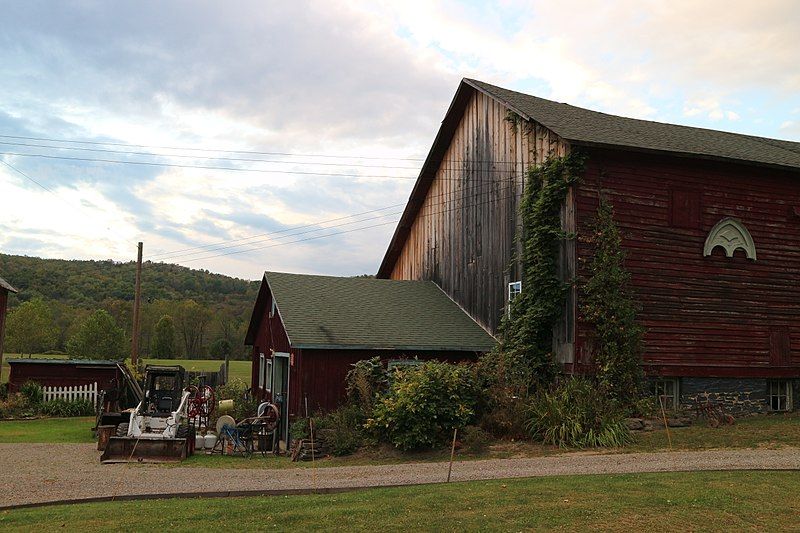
<point x="74" y="289"/>
<point x="87" y="284"/>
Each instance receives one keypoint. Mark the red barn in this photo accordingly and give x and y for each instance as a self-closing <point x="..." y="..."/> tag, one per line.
<point x="710" y="223"/>
<point x="5" y="288"/>
<point x="307" y="331"/>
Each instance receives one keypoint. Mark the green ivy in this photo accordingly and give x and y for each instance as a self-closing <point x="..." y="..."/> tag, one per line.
<point x="527" y="333"/>
<point x="609" y="306"/>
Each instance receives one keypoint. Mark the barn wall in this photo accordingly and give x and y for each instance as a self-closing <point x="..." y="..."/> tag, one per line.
<point x="464" y="235"/>
<point x="62" y="375"/>
<point x="322" y="373"/>
<point x="270" y="336"/>
<point x="705" y="316"/>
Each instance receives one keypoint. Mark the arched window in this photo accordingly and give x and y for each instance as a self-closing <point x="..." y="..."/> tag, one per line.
<point x="731" y="235"/>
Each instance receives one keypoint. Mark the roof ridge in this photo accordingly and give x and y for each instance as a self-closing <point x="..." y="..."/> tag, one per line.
<point x="649" y="121"/>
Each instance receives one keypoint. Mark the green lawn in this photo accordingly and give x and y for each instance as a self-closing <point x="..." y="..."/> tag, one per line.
<point x="47" y="430"/>
<point x="703" y="501"/>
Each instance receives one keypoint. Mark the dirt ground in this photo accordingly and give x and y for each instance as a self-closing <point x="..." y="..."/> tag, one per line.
<point x="51" y="472"/>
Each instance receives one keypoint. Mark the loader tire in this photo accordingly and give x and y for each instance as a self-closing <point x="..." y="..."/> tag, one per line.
<point x="122" y="429"/>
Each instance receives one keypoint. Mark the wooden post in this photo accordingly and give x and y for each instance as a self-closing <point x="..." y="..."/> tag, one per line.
<point x="136" y="308"/>
<point x="452" y="453"/>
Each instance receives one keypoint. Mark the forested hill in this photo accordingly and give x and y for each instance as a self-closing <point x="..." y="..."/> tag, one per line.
<point x="88" y="284"/>
<point x="205" y="308"/>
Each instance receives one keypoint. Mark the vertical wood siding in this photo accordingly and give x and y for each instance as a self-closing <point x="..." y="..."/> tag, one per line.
<point x="463" y="237"/>
<point x="713" y="316"/>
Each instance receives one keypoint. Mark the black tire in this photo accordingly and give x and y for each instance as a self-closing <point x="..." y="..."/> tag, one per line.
<point x="183" y="432"/>
<point x="122" y="429"/>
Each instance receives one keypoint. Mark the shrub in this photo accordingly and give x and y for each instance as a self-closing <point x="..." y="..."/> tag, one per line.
<point x="424" y="404"/>
<point x="502" y="407"/>
<point x="342" y="429"/>
<point x="573" y="414"/>
<point x="67" y="408"/>
<point x="475" y="439"/>
<point x="365" y="381"/>
<point x="33" y="392"/>
<point x="299" y="429"/>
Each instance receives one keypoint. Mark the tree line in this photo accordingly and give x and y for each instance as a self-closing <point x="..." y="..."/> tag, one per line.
<point x="85" y="308"/>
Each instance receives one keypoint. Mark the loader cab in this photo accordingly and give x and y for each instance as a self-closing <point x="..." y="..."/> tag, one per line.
<point x="163" y="389"/>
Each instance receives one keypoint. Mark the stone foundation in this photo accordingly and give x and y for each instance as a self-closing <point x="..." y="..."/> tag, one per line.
<point x="738" y="396"/>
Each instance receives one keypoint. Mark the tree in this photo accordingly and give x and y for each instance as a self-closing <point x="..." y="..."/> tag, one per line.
<point x="98" y="337"/>
<point x="164" y="338"/>
<point x="192" y="322"/>
<point x="220" y="349"/>
<point x="610" y="308"/>
<point x="30" y="328"/>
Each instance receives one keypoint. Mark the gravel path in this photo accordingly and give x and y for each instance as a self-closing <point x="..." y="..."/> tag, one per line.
<point x="35" y="473"/>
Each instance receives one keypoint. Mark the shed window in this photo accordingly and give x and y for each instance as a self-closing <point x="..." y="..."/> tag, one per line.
<point x="268" y="376"/>
<point x="514" y="290"/>
<point x="272" y="308"/>
<point x="666" y="393"/>
<point x="261" y="367"/>
<point x="780" y="395"/>
<point x="402" y="363"/>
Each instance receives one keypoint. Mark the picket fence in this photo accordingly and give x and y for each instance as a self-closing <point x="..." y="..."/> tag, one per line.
<point x="81" y="392"/>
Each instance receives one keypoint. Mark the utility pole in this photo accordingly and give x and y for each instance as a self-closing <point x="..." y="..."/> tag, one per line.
<point x="136" y="306"/>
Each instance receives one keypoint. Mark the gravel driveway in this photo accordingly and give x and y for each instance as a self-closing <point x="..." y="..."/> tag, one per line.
<point x="34" y="473"/>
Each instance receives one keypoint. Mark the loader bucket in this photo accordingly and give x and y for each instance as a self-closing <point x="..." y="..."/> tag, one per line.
<point x="132" y="450"/>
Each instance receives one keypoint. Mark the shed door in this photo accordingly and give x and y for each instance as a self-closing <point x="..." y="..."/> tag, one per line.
<point x="280" y="394"/>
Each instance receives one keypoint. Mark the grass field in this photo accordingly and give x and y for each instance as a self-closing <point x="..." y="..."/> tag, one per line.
<point x="702" y="501"/>
<point x="239" y="369"/>
<point x="47" y="430"/>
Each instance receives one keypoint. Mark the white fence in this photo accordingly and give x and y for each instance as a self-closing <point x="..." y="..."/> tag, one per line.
<point x="82" y="392"/>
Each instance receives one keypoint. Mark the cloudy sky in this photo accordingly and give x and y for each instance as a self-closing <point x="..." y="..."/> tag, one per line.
<point x="242" y="136"/>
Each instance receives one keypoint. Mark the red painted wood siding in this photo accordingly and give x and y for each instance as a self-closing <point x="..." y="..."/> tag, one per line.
<point x="61" y="375"/>
<point x="271" y="337"/>
<point x="704" y="315"/>
<point x="324" y="372"/>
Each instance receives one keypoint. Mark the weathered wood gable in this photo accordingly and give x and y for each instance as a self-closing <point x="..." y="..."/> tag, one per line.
<point x="460" y="227"/>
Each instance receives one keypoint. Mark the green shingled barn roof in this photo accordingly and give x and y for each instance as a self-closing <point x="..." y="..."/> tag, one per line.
<point x="592" y="128"/>
<point x="366" y="313"/>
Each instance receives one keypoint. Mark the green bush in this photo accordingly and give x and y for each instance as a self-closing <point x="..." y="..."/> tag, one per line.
<point x="299" y="429"/>
<point x="573" y="414"/>
<point x="67" y="408"/>
<point x="33" y="392"/>
<point x="342" y="430"/>
<point x="365" y="381"/>
<point x="475" y="439"/>
<point x="424" y="403"/>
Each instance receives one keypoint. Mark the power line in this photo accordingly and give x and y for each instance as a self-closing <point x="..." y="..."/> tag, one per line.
<point x="214" y="158"/>
<point x="207" y="167"/>
<point x="253" y="152"/>
<point x="178" y="253"/>
<point x="337" y="233"/>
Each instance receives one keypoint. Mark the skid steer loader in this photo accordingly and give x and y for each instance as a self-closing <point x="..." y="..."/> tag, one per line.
<point x="157" y="430"/>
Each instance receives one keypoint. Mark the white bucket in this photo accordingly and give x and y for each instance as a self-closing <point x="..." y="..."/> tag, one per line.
<point x="210" y="441"/>
<point x="199" y="441"/>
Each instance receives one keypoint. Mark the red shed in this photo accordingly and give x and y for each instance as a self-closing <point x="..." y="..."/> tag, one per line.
<point x="307" y="331"/>
<point x="64" y="373"/>
<point x="5" y="288"/>
<point x="710" y="222"/>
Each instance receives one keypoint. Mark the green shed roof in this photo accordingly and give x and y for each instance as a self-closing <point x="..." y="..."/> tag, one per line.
<point x="366" y="313"/>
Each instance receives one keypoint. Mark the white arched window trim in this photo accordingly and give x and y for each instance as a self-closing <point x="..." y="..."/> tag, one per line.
<point x="731" y="235"/>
